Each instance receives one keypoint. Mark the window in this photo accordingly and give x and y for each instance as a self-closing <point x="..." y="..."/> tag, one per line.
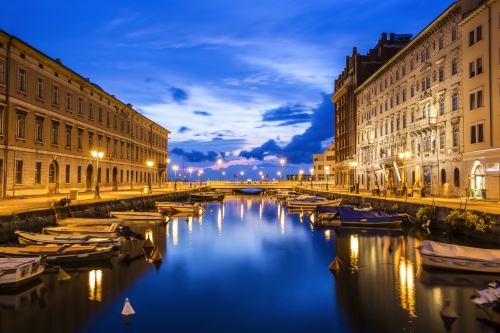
<point x="441" y="106"/>
<point x="99" y="119"/>
<point x="68" y="136"/>
<point x="380" y="108"/>
<point x="454" y="33"/>
<point x="475" y="35"/>
<point x="441" y="42"/>
<point x="476" y="67"/>
<point x="115" y="148"/>
<point x="116" y="122"/>
<point x="442" y="140"/>
<point x="55" y="136"/>
<point x="412" y="116"/>
<point x="403" y="70"/>
<point x="39" y="88"/>
<point x="52" y="173"/>
<point x="39" y="129"/>
<point x="1" y="119"/>
<point x="80" y="106"/>
<point x="122" y="124"/>
<point x="412" y="91"/>
<point x="91" y="141"/>
<point x="392" y="102"/>
<point x="456" y="178"/>
<point x="397" y="99"/>
<point x="108" y="119"/>
<point x="404" y="95"/>
<point x="19" y="172"/>
<point x="108" y="151"/>
<point x="80" y="139"/>
<point x="107" y="175"/>
<point x="477" y="133"/>
<point x="476" y="100"/>
<point x="454" y="66"/>
<point x="21" y="80"/>
<point x="79" y="174"/>
<point x="443" y="176"/>
<point x="441" y="74"/>
<point x="38" y="172"/>
<point x="392" y="125"/>
<point x="398" y="124"/>
<point x="454" y="101"/>
<point x="55" y="95"/>
<point x="404" y="120"/>
<point x="21" y="125"/>
<point x="426" y="82"/>
<point x="455" y="137"/>
<point x="386" y="128"/>
<point x="2" y="71"/>
<point x="99" y="142"/>
<point x="68" y="169"/>
<point x="91" y="111"/>
<point x="412" y="64"/>
<point x="68" y="100"/>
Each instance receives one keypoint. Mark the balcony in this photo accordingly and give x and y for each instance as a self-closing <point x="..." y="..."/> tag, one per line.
<point x="161" y="166"/>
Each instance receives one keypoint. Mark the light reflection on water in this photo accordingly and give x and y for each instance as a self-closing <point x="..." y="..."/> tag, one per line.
<point x="255" y="277"/>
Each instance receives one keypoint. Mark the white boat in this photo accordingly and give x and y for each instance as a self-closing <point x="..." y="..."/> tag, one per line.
<point x="205" y="196"/>
<point x="58" y="253"/>
<point x="28" y="238"/>
<point x="449" y="256"/>
<point x="313" y="202"/>
<point x="114" y="230"/>
<point x="487" y="298"/>
<point x="88" y="221"/>
<point x="142" y="216"/>
<point x="15" y="272"/>
<point x="177" y="207"/>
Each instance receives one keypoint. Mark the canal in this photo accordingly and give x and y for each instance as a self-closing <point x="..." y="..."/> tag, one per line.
<point x="250" y="265"/>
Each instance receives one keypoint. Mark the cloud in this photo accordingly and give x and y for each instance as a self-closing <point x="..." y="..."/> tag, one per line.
<point x="178" y="94"/>
<point x="202" y="113"/>
<point x="302" y="146"/>
<point x="184" y="129"/>
<point x="290" y="114"/>
<point x="196" y="156"/>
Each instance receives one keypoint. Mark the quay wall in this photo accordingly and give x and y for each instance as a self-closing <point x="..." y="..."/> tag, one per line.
<point x="36" y="220"/>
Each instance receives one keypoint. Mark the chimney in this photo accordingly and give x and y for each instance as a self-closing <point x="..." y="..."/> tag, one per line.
<point x="384" y="36"/>
<point x="354" y="50"/>
<point x="130" y="105"/>
<point x="58" y="60"/>
<point x="391" y="36"/>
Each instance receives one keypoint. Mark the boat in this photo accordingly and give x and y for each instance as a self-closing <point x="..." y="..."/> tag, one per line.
<point x="15" y="272"/>
<point x="176" y="207"/>
<point x="58" y="253"/>
<point x="28" y="238"/>
<point x="457" y="257"/>
<point x="142" y="216"/>
<point x="114" y="230"/>
<point x="284" y="194"/>
<point x="350" y="216"/>
<point x="206" y="196"/>
<point x="329" y="212"/>
<point x="313" y="202"/>
<point x="487" y="298"/>
<point x="89" y="221"/>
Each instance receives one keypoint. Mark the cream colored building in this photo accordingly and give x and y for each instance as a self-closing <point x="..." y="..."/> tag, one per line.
<point x="415" y="102"/>
<point x="325" y="159"/>
<point x="481" y="90"/>
<point x="51" y="118"/>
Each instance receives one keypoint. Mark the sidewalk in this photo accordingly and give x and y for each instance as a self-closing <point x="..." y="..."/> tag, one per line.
<point x="29" y="203"/>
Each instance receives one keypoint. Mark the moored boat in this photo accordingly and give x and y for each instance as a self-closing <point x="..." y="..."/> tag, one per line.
<point x="487" y="298"/>
<point x="313" y="202"/>
<point x="457" y="257"/>
<point x="350" y="216"/>
<point x="142" y="216"/>
<point x="207" y="196"/>
<point x="89" y="221"/>
<point x="59" y="253"/>
<point x="114" y="230"/>
<point x="28" y="238"/>
<point x="15" y="272"/>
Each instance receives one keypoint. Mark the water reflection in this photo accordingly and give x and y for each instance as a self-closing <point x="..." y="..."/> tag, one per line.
<point x="407" y="286"/>
<point x="95" y="285"/>
<point x="354" y="253"/>
<point x="327" y="235"/>
<point x="219" y="221"/>
<point x="175" y="231"/>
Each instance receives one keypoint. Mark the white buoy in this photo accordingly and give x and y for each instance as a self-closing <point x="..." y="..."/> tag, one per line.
<point x="447" y="311"/>
<point x="127" y="308"/>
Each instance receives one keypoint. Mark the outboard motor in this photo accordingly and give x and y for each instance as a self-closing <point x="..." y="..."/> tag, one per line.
<point x="125" y="231"/>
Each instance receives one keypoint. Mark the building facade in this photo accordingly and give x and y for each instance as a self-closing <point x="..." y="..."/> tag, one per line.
<point x="414" y="103"/>
<point x="357" y="69"/>
<point x="481" y="91"/>
<point x="52" y="118"/>
<point x="324" y="162"/>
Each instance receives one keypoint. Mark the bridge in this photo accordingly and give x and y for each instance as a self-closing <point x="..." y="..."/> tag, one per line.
<point x="264" y="185"/>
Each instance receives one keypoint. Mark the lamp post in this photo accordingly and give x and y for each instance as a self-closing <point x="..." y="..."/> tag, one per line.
<point x="405" y="156"/>
<point x="282" y="162"/>
<point x="150" y="165"/>
<point x="301" y="172"/>
<point x="223" y="174"/>
<point x="97" y="156"/>
<point x="327" y="171"/>
<point x="175" y="168"/>
<point x="219" y="161"/>
<point x="242" y="173"/>
<point x="355" y="182"/>
<point x="201" y="175"/>
<point x="190" y="172"/>
<point x="168" y="161"/>
<point x="312" y="176"/>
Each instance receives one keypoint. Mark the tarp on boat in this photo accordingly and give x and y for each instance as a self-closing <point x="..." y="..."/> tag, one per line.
<point x="332" y="209"/>
<point x="460" y="252"/>
<point x="349" y="215"/>
<point x="312" y="199"/>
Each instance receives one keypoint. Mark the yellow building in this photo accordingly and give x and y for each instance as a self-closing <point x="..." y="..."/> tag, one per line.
<point x="325" y="162"/>
<point x="481" y="90"/>
<point x="51" y="118"/>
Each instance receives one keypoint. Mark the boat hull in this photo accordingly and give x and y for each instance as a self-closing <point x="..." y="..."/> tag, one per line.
<point x="29" y="238"/>
<point x="61" y="255"/>
<point x="459" y="264"/>
<point x="15" y="272"/>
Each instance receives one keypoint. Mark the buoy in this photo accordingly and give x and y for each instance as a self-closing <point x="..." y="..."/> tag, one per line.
<point x="447" y="311"/>
<point x="63" y="275"/>
<point x="148" y="243"/>
<point x="390" y="249"/>
<point x="127" y="308"/>
<point x="156" y="256"/>
<point x="334" y="266"/>
<point x="211" y="211"/>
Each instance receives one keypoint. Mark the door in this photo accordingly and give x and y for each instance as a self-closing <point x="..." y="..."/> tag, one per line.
<point x="115" y="178"/>
<point x="88" y="182"/>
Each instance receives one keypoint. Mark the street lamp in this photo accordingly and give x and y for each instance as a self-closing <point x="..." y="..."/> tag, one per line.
<point x="300" y="173"/>
<point x="97" y="156"/>
<point x="223" y="174"/>
<point x="201" y="174"/>
<point x="282" y="162"/>
<point x="219" y="161"/>
<point x="190" y="172"/>
<point x="356" y="185"/>
<point x="279" y="175"/>
<point x="327" y="171"/>
<point x="242" y="173"/>
<point x="312" y="174"/>
<point x="404" y="156"/>
<point x="175" y="168"/>
<point x="150" y="165"/>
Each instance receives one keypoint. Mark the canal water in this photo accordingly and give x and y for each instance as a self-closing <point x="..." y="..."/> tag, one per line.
<point x="250" y="265"/>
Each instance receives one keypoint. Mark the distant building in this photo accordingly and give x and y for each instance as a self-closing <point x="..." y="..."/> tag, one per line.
<point x="323" y="161"/>
<point x="358" y="68"/>
<point x="51" y="118"/>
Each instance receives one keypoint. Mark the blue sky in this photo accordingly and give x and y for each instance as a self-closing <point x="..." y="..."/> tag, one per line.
<point x="248" y="81"/>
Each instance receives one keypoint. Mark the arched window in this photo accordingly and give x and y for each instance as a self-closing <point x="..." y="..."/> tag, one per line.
<point x="443" y="176"/>
<point x="442" y="140"/>
<point x="441" y="106"/>
<point x="455" y="137"/>
<point x="454" y="101"/>
<point x="456" y="178"/>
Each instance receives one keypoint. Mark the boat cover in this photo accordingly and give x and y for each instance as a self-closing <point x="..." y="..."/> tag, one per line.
<point x="311" y="199"/>
<point x="349" y="215"/>
<point x="460" y="252"/>
<point x="332" y="209"/>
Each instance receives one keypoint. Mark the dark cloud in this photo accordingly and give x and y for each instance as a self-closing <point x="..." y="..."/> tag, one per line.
<point x="184" y="129"/>
<point x="289" y="114"/>
<point x="196" y="156"/>
<point x="202" y="113"/>
<point x="178" y="94"/>
<point x="302" y="146"/>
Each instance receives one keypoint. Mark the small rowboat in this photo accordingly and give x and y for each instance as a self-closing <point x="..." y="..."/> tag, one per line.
<point x="28" y="238"/>
<point x="88" y="221"/>
<point x="114" y="230"/>
<point x="59" y="253"/>
<point x="139" y="216"/>
<point x="457" y="257"/>
<point x="15" y="272"/>
<point x="313" y="202"/>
